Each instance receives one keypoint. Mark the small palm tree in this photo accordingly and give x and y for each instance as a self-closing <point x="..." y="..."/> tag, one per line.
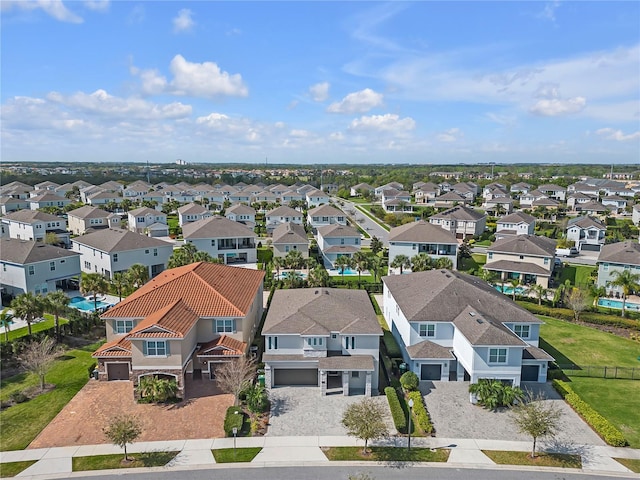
<point x="421" y="262"/>
<point x="362" y="262"/>
<point x="540" y="292"/>
<point x="627" y="282"/>
<point x="56" y="303"/>
<point x="515" y="283"/>
<point x="376" y="267"/>
<point x="277" y="264"/>
<point x="6" y="319"/>
<point x="95" y="284"/>
<point x="27" y="306"/>
<point x="401" y="262"/>
<point x="120" y="283"/>
<point x="444" y="263"/>
<point x="318" y="277"/>
<point x="138" y="275"/>
<point x="342" y="263"/>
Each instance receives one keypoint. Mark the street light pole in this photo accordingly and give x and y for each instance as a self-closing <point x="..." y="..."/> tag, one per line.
<point x="410" y="409"/>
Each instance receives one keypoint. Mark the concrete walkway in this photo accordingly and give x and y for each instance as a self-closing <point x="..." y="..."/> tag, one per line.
<point x="283" y="451"/>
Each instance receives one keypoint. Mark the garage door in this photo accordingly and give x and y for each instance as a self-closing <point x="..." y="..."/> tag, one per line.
<point x="430" y="372"/>
<point x="296" y="376"/>
<point x="118" y="371"/>
<point x="530" y="373"/>
<point x="589" y="247"/>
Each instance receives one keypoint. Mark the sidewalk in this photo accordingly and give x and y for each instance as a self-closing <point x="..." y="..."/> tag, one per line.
<point x="282" y="451"/>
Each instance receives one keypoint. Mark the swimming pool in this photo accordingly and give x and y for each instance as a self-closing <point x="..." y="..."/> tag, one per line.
<point x="347" y="271"/>
<point x="609" y="303"/>
<point x="509" y="290"/>
<point x="85" y="305"/>
<point x="285" y="275"/>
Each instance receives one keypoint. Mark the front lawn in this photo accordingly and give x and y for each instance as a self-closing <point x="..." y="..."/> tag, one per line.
<point x="21" y="423"/>
<point x="233" y="455"/>
<point x="578" y="275"/>
<point x="11" y="469"/>
<point x="631" y="463"/>
<point x="386" y="454"/>
<point x="561" y="460"/>
<point x="474" y="263"/>
<point x="46" y="324"/>
<point x="108" y="462"/>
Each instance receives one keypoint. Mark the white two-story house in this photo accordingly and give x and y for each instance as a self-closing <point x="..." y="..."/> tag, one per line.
<point x="88" y="217"/>
<point x="242" y="214"/>
<point x="587" y="233"/>
<point x="325" y="215"/>
<point x="315" y="198"/>
<point x="422" y="237"/>
<point x="456" y="327"/>
<point x="280" y="215"/>
<point x="192" y="212"/>
<point x="288" y="237"/>
<point x="35" y="225"/>
<point x="148" y="221"/>
<point x="518" y="223"/>
<point x="336" y="241"/>
<point x="325" y="337"/>
<point x="224" y="239"/>
<point x="617" y="257"/>
<point x="463" y="222"/>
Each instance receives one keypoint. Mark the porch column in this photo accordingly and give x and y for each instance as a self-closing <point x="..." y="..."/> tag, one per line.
<point x="267" y="377"/>
<point x="323" y="382"/>
<point x="367" y="385"/>
<point x="345" y="384"/>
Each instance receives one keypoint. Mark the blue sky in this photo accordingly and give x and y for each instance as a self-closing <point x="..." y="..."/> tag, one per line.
<point x="320" y="82"/>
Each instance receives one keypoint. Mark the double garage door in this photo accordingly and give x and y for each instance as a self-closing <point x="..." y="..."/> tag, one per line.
<point x="117" y="371"/>
<point x="295" y="376"/>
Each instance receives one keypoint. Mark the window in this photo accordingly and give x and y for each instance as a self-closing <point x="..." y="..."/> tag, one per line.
<point x="490" y="255"/>
<point x="225" y="326"/>
<point x="521" y="257"/>
<point x="155" y="252"/>
<point x="522" y="330"/>
<point x="427" y="330"/>
<point x="87" y="265"/>
<point x="115" y="257"/>
<point x="272" y="343"/>
<point x="349" y="343"/>
<point x="315" y="341"/>
<point x="355" y="374"/>
<point x="156" y="348"/>
<point x="213" y="243"/>
<point x="146" y="252"/>
<point x="52" y="266"/>
<point x="32" y="270"/>
<point x="122" y="326"/>
<point x="497" y="355"/>
<point x="605" y="267"/>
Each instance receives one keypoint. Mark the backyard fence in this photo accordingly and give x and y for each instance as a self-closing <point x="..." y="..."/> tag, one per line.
<point x="625" y="373"/>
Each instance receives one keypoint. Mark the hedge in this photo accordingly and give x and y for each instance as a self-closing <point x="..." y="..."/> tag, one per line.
<point x="390" y="343"/>
<point x="233" y="419"/>
<point x="601" y="425"/>
<point x="399" y="418"/>
<point x="586" y="317"/>
<point x="420" y="412"/>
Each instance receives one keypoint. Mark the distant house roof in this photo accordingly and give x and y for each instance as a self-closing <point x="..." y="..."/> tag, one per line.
<point x="325" y="211"/>
<point x="192" y="209"/>
<point x="22" y="252"/>
<point x="624" y="253"/>
<point x="517" y="217"/>
<point x="284" y="211"/>
<point x="336" y="231"/>
<point x="216" y="227"/>
<point x="112" y="240"/>
<point x="423" y="232"/>
<point x="32" y="216"/>
<point x="459" y="212"/>
<point x="585" y="221"/>
<point x="525" y="245"/>
<point x="290" y="233"/>
<point x="89" y="211"/>
<point x="241" y="209"/>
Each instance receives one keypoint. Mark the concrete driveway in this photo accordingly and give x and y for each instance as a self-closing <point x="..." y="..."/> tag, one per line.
<point x="454" y="416"/>
<point x="303" y="411"/>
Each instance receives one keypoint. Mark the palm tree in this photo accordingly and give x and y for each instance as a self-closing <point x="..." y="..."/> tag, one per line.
<point x="95" y="284"/>
<point x="342" y="262"/>
<point x="540" y="292"/>
<point x="277" y="264"/>
<point x="293" y="280"/>
<point x="515" y="283"/>
<point x="318" y="277"/>
<point x="627" y="282"/>
<point x="444" y="263"/>
<point x="401" y="262"/>
<point x="6" y="319"/>
<point x="421" y="262"/>
<point x="490" y="276"/>
<point x="56" y="303"/>
<point x="28" y="307"/>
<point x="138" y="275"/>
<point x="120" y="283"/>
<point x="294" y="259"/>
<point x="362" y="262"/>
<point x="376" y="267"/>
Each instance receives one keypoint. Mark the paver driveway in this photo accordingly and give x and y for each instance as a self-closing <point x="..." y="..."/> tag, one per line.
<point x="81" y="421"/>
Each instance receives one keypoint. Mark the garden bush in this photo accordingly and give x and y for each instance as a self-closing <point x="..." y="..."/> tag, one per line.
<point x="409" y="381"/>
<point x="393" y="349"/>
<point x="601" y="425"/>
<point x="586" y="317"/>
<point x="399" y="417"/>
<point x="423" y="420"/>
<point x="233" y="419"/>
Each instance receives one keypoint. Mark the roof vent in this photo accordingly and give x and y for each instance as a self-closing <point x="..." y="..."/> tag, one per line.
<point x="479" y="320"/>
<point x="315" y="292"/>
<point x="473" y="314"/>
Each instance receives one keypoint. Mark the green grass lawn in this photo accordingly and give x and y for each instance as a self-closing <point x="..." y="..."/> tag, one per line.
<point x="631" y="463"/>
<point x="109" y="462"/>
<point x="482" y="243"/>
<point x="47" y="323"/>
<point x="233" y="455"/>
<point x="23" y="422"/>
<point x="578" y="275"/>
<point x="11" y="469"/>
<point x="561" y="460"/>
<point x="476" y="262"/>
<point x="386" y="454"/>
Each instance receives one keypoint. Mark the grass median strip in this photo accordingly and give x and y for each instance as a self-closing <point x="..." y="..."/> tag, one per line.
<point x="561" y="460"/>
<point x="233" y="455"/>
<point x="11" y="469"/>
<point x="632" y="464"/>
<point x="386" y="454"/>
<point x="109" y="462"/>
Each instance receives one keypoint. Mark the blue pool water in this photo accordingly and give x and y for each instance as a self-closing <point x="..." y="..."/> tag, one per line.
<point x="509" y="290"/>
<point x="284" y="275"/>
<point x="83" y="304"/>
<point x="606" y="302"/>
<point x="347" y="271"/>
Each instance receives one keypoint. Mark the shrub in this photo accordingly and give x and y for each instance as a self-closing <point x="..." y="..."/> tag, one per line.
<point x="586" y="317"/>
<point x="233" y="419"/>
<point x="409" y="381"/>
<point x="423" y="420"/>
<point x="493" y="393"/>
<point x="601" y="425"/>
<point x="393" y="349"/>
<point x="399" y="418"/>
<point x="19" y="397"/>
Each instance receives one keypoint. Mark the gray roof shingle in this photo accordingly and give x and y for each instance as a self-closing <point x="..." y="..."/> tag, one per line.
<point x="216" y="227"/>
<point x="525" y="245"/>
<point x="423" y="232"/>
<point x="23" y="252"/>
<point x="625" y="253"/>
<point x="117" y="240"/>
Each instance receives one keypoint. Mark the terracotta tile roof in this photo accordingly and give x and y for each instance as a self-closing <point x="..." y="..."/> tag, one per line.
<point x="173" y="321"/>
<point x="120" y="347"/>
<point x="222" y="346"/>
<point x="209" y="290"/>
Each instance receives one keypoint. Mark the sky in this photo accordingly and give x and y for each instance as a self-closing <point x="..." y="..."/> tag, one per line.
<point x="308" y="82"/>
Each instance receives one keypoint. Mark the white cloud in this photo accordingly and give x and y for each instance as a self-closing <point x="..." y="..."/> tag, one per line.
<point x="97" y="5"/>
<point x="556" y="106"/>
<point x="549" y="11"/>
<point x="618" y="135"/>
<point x="53" y="8"/>
<point x="357" y="102"/>
<point x="451" y="135"/>
<point x="389" y="122"/>
<point x="136" y="15"/>
<point x="319" y="92"/>
<point x="183" y="22"/>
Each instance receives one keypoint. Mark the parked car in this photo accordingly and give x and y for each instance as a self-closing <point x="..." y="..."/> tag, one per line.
<point x="566" y="252"/>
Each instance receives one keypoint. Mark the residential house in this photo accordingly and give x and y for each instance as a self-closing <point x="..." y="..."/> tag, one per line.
<point x="422" y="237"/>
<point x="545" y="203"/>
<point x="615" y="203"/>
<point x="584" y="188"/>
<point x="48" y="199"/>
<point x="242" y="214"/>
<point x="30" y="266"/>
<point x="520" y="187"/>
<point x="553" y="191"/>
<point x="291" y="195"/>
<point x="427" y="193"/>
<point x="455" y="327"/>
<point x="587" y="232"/>
<point x="498" y="205"/>
<point x="192" y="212"/>
<point x="88" y="217"/>
<point x="10" y="204"/>
<point x="148" y="221"/>
<point x="35" y="225"/>
<point x="592" y="208"/>
<point x="325" y="215"/>
<point x="288" y="237"/>
<point x="315" y="198"/>
<point x="617" y="257"/>
<point x="115" y="250"/>
<point x="357" y="190"/>
<point x="325" y="337"/>
<point x="467" y="190"/>
<point x="224" y="239"/>
<point x="518" y="223"/>
<point x="395" y="185"/>
<point x="337" y="241"/>
<point x="46" y="185"/>
<point x="463" y="221"/>
<point x="282" y="215"/>
<point x="575" y="200"/>
<point x="635" y="214"/>
<point x="103" y="197"/>
<point x="494" y="189"/>
<point x="527" y="258"/>
<point x="330" y="188"/>
<point x="450" y="199"/>
<point x="182" y="324"/>
<point x="527" y="199"/>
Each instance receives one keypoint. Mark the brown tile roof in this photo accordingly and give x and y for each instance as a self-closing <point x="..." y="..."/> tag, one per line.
<point x="222" y="346"/>
<point x="626" y="253"/>
<point x="120" y="347"/>
<point x="210" y="290"/>
<point x="423" y="232"/>
<point x="173" y="321"/>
